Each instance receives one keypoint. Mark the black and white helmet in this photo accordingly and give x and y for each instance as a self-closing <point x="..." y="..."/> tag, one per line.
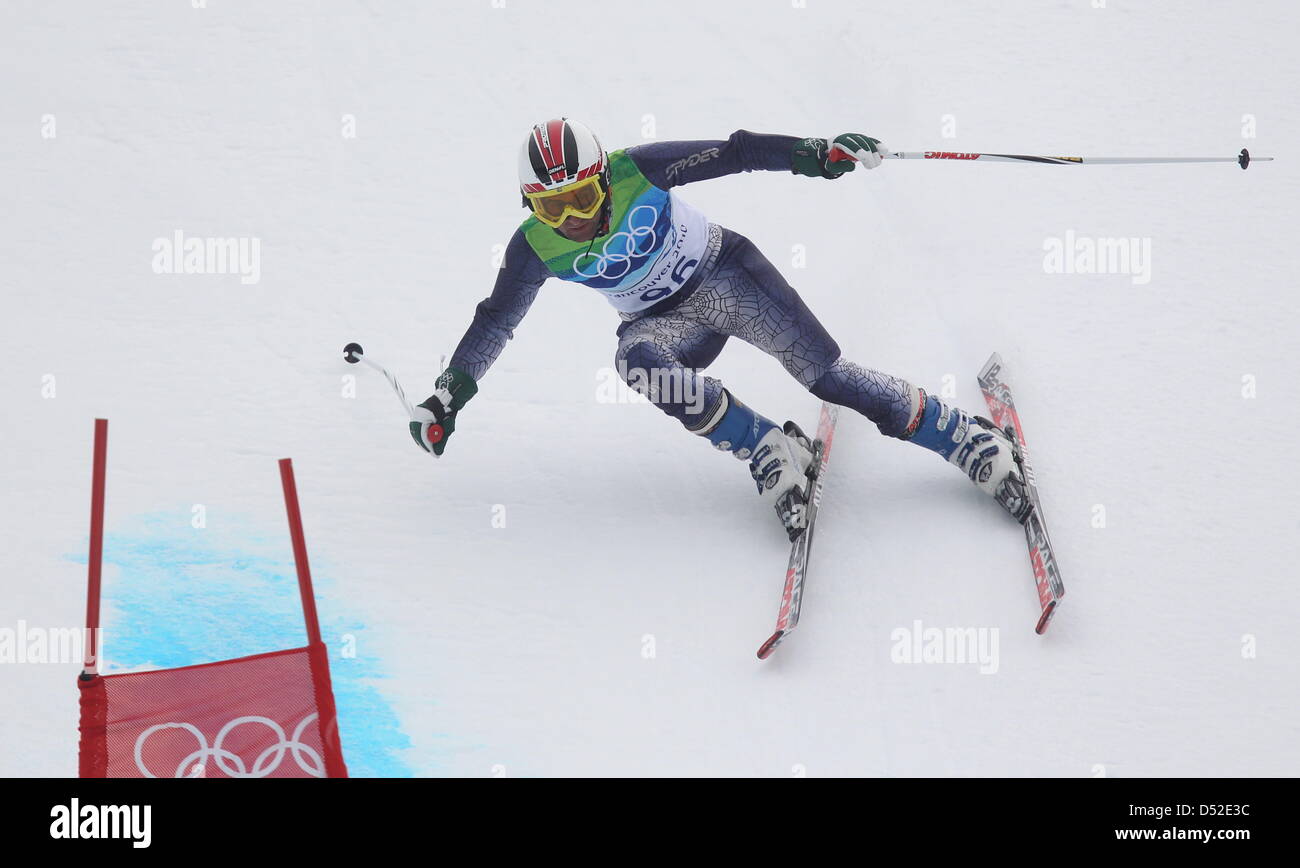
<point x="557" y="153"/>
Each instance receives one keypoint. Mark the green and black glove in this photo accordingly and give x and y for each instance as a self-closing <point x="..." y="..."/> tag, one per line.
<point x="819" y="158"/>
<point x="436" y="416"/>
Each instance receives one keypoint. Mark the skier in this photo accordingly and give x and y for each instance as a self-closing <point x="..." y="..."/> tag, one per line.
<point x="682" y="286"/>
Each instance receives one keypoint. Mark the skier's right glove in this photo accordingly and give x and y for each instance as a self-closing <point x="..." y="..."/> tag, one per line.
<point x="435" y="417"/>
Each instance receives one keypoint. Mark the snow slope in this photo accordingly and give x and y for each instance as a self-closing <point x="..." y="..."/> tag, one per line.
<point x="609" y="627"/>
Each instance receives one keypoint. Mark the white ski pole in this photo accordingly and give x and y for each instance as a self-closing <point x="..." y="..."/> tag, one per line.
<point x="353" y="353"/>
<point x="1243" y="159"/>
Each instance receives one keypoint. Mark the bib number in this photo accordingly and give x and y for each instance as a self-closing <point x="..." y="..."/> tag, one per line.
<point x="679" y="275"/>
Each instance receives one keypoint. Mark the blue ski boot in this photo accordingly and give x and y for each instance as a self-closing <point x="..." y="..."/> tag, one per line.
<point x="977" y="446"/>
<point x="779" y="458"/>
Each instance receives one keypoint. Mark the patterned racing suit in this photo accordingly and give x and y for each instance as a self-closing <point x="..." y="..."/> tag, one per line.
<point x="682" y="287"/>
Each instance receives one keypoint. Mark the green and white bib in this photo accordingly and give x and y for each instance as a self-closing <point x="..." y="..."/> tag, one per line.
<point x="655" y="241"/>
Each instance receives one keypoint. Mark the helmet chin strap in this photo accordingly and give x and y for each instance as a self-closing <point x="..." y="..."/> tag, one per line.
<point x="607" y="208"/>
<point x="607" y="205"/>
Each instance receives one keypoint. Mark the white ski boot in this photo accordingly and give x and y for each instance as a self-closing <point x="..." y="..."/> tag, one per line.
<point x="988" y="455"/>
<point x="780" y="465"/>
<point x="779" y="459"/>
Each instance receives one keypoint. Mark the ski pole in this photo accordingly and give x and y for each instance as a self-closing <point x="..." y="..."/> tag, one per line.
<point x="353" y="353"/>
<point x="1243" y="159"/>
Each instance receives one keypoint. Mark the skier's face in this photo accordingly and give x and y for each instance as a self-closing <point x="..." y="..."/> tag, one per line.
<point x="577" y="229"/>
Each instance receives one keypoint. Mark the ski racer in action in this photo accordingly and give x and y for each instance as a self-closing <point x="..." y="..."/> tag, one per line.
<point x="682" y="286"/>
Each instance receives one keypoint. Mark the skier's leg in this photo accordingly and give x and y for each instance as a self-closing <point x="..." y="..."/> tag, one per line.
<point x="760" y="307"/>
<point x="659" y="356"/>
<point x="747" y="297"/>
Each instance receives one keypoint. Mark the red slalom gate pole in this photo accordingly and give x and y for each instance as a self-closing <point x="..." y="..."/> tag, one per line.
<point x="334" y="764"/>
<point x="299" y="551"/>
<point x="90" y="667"/>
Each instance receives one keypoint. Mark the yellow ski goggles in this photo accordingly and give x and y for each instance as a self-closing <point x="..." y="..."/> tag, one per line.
<point x="581" y="200"/>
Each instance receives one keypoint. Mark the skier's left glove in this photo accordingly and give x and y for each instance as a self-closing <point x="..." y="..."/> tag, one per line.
<point x="435" y="417"/>
<point x="819" y="158"/>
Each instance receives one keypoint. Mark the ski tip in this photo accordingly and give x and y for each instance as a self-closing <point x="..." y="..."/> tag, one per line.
<point x="770" y="645"/>
<point x="995" y="361"/>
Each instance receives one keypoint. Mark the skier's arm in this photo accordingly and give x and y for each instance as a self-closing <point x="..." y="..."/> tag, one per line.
<point x="671" y="164"/>
<point x="521" y="276"/>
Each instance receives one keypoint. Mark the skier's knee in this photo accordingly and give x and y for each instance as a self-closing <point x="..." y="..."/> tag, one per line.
<point x="638" y="363"/>
<point x="822" y="387"/>
<point x="642" y="354"/>
<point x="653" y="371"/>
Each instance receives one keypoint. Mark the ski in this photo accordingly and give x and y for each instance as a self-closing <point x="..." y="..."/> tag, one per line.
<point x="1002" y="407"/>
<point x="797" y="571"/>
